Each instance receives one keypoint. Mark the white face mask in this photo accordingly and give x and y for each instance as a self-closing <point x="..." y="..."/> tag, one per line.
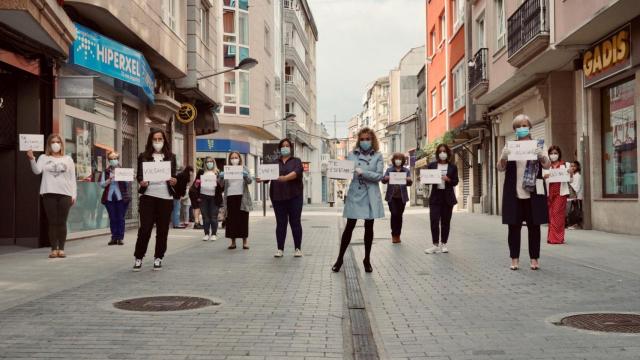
<point x="398" y="162"/>
<point x="158" y="145"/>
<point x="443" y="156"/>
<point x="235" y="161"/>
<point x="56" y="147"/>
<point x="554" y="157"/>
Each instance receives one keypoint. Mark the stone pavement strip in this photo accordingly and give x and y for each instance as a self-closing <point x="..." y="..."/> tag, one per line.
<point x="463" y="305"/>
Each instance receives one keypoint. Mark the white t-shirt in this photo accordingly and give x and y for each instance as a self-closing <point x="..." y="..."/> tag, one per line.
<point x="58" y="175"/>
<point x="576" y="185"/>
<point x="443" y="170"/>
<point x="158" y="189"/>
<point x="208" y="190"/>
<point x="235" y="187"/>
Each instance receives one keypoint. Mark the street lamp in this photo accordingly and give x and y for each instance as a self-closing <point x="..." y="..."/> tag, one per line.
<point x="245" y="64"/>
<point x="288" y="117"/>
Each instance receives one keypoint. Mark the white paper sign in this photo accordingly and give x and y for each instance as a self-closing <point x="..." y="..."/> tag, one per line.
<point x="233" y="172"/>
<point x="397" y="178"/>
<point x="208" y="181"/>
<point x="33" y="142"/>
<point x="340" y="169"/>
<point x="558" y="175"/>
<point x="123" y="174"/>
<point x="268" y="171"/>
<point x="430" y="176"/>
<point x="522" y="150"/>
<point x="156" y="170"/>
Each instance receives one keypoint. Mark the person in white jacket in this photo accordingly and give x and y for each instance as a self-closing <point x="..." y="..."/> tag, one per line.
<point x="58" y="189"/>
<point x="574" y="206"/>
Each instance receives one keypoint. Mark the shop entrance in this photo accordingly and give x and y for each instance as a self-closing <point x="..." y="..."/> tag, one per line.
<point x="8" y="153"/>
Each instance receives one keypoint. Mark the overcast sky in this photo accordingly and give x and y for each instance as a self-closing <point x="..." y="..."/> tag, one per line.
<point x="359" y="41"/>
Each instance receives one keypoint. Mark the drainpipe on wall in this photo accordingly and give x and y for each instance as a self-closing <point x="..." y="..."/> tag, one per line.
<point x="469" y="115"/>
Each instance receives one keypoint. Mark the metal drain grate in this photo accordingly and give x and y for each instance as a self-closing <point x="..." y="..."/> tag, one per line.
<point x="164" y="303"/>
<point x="618" y="323"/>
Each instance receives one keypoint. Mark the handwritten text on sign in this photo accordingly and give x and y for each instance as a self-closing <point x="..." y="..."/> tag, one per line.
<point x="558" y="175"/>
<point x="430" y="176"/>
<point x="340" y="169"/>
<point x="268" y="171"/>
<point x="123" y="174"/>
<point x="208" y="181"/>
<point x="156" y="170"/>
<point x="33" y="142"/>
<point x="522" y="150"/>
<point x="233" y="172"/>
<point x="397" y="178"/>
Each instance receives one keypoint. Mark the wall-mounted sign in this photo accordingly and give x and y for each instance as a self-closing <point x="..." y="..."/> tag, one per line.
<point x="187" y="113"/>
<point x="106" y="56"/>
<point x="607" y="57"/>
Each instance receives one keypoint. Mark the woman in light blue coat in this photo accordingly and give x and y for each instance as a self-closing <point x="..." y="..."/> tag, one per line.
<point x="364" y="200"/>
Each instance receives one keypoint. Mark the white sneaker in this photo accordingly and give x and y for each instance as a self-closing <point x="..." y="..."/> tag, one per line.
<point x="432" y="250"/>
<point x="298" y="253"/>
<point x="137" y="266"/>
<point x="205" y="238"/>
<point x="278" y="254"/>
<point x="443" y="248"/>
<point x="213" y="237"/>
<point x="157" y="264"/>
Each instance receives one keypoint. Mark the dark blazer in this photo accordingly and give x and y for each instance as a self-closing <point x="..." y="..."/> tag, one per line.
<point x="123" y="186"/>
<point x="510" y="208"/>
<point x="142" y="158"/>
<point x="446" y="195"/>
<point x="403" y="188"/>
<point x="181" y="184"/>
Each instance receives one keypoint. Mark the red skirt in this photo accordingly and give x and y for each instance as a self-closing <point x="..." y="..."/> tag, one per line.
<point x="557" y="207"/>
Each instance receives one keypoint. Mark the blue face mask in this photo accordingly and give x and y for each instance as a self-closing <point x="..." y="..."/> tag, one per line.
<point x="285" y="151"/>
<point x="365" y="145"/>
<point x="522" y="132"/>
<point x="113" y="162"/>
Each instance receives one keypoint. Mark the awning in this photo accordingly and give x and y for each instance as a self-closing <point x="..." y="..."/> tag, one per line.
<point x="207" y="120"/>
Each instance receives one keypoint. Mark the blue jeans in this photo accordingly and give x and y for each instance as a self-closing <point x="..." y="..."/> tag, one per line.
<point x="117" y="210"/>
<point x="175" y="214"/>
<point x="288" y="211"/>
<point x="209" y="211"/>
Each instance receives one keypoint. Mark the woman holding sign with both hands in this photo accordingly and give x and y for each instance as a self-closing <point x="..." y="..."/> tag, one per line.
<point x="397" y="195"/>
<point x="210" y="197"/>
<point x="524" y="196"/>
<point x="156" y="200"/>
<point x="557" y="200"/>
<point x="442" y="199"/>
<point x="115" y="198"/>
<point x="237" y="203"/>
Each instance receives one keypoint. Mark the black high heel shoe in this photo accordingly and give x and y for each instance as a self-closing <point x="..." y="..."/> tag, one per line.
<point x="336" y="267"/>
<point x="367" y="266"/>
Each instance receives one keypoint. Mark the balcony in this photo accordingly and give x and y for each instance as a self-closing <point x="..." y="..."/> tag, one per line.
<point x="528" y="31"/>
<point x="295" y="90"/>
<point x="478" y="75"/>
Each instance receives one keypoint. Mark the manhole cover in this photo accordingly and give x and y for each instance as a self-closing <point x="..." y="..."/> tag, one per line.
<point x="619" y="323"/>
<point x="164" y="303"/>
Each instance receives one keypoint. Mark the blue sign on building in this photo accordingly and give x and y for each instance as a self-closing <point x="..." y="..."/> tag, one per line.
<point x="222" y="145"/>
<point x="106" y="56"/>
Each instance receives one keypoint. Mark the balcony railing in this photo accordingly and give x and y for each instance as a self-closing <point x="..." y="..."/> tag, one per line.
<point x="528" y="31"/>
<point x="478" y="74"/>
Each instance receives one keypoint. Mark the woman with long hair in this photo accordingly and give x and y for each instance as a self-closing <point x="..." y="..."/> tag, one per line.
<point x="397" y="195"/>
<point x="156" y="200"/>
<point x="115" y="198"/>
<point x="442" y="199"/>
<point x="363" y="198"/>
<point x="558" y="192"/>
<point x="210" y="199"/>
<point x="58" y="189"/>
<point x="237" y="203"/>
<point x="194" y="197"/>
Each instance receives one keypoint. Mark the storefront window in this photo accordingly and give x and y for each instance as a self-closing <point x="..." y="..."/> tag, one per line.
<point x="88" y="145"/>
<point x="619" y="143"/>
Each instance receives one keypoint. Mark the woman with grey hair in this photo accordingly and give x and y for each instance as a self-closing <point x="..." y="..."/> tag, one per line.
<point x="523" y="199"/>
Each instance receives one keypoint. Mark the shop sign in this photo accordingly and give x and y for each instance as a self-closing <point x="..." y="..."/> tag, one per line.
<point x="222" y="145"/>
<point x="106" y="56"/>
<point x="607" y="57"/>
<point x="187" y="113"/>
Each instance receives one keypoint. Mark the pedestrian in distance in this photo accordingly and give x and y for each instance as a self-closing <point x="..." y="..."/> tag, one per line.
<point x="194" y="198"/>
<point x="576" y="194"/>
<point x="524" y="196"/>
<point x="156" y="200"/>
<point x="237" y="203"/>
<point x="116" y="198"/>
<point x="364" y="200"/>
<point x="286" y="198"/>
<point x="558" y="193"/>
<point x="397" y="195"/>
<point x="210" y="195"/>
<point x="183" y="178"/>
<point x="58" y="190"/>
<point x="442" y="199"/>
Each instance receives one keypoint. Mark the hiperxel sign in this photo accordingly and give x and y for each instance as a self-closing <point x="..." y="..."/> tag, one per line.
<point x="607" y="57"/>
<point x="187" y="113"/>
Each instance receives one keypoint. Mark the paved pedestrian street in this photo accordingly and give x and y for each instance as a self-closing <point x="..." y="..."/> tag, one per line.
<point x="466" y="304"/>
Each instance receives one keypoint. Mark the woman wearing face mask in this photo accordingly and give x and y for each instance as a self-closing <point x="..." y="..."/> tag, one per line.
<point x="557" y="199"/>
<point x="156" y="200"/>
<point x="286" y="198"/>
<point x="210" y="200"/>
<point x="520" y="198"/>
<point x="115" y="198"/>
<point x="58" y="189"/>
<point x="363" y="198"/>
<point x="397" y="195"/>
<point x="238" y="204"/>
<point x="442" y="199"/>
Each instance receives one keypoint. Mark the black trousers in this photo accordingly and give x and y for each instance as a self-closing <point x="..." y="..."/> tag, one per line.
<point x="524" y="209"/>
<point x="152" y="211"/>
<point x="396" y="207"/>
<point x="57" y="206"/>
<point x="346" y="238"/>
<point x="440" y="216"/>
